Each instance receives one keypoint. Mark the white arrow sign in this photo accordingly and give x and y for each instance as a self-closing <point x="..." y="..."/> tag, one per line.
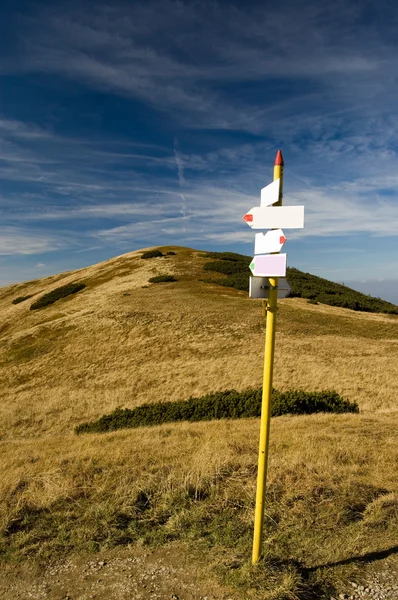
<point x="272" y="241"/>
<point x="274" y="217"/>
<point x="269" y="265"/>
<point x="270" y="194"/>
<point x="259" y="287"/>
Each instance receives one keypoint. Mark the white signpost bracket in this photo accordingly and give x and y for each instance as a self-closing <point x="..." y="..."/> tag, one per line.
<point x="260" y="286"/>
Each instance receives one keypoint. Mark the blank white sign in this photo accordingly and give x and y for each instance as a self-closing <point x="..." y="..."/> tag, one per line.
<point x="269" y="242"/>
<point x="270" y="194"/>
<point x="275" y="217"/>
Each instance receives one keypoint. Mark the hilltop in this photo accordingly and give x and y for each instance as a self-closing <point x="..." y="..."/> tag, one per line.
<point x="121" y="341"/>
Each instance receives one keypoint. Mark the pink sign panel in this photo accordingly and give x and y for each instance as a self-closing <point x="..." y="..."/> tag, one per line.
<point x="269" y="265"/>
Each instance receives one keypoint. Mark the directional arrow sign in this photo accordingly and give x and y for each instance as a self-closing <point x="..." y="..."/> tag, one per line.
<point x="272" y="241"/>
<point x="260" y="286"/>
<point x="269" y="265"/>
<point x="270" y="194"/>
<point x="274" y="217"/>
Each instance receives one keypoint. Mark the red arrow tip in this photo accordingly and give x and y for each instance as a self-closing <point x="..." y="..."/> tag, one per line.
<point x="282" y="239"/>
<point x="279" y="159"/>
<point x="248" y="218"/>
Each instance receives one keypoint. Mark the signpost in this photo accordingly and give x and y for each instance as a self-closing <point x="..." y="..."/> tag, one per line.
<point x="266" y="266"/>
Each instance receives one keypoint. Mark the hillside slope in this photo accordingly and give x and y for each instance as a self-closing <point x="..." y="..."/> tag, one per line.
<point x="332" y="493"/>
<point x="122" y="341"/>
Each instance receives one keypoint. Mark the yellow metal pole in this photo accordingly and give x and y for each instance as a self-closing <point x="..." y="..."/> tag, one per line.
<point x="267" y="393"/>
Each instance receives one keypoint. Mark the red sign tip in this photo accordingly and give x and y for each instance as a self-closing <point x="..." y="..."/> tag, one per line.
<point x="282" y="239"/>
<point x="248" y="218"/>
<point x="279" y="159"/>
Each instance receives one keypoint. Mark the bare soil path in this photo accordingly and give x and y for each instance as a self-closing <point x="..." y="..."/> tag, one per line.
<point x="160" y="574"/>
<point x="133" y="574"/>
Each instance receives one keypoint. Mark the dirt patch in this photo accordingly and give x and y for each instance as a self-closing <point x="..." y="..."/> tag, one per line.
<point x="132" y="573"/>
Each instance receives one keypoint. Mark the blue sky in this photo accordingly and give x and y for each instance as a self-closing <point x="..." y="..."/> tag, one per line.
<point x="131" y="124"/>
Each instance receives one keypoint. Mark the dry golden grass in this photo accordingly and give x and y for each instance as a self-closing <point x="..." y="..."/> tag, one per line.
<point x="89" y="353"/>
<point x="332" y="488"/>
<point x="332" y="494"/>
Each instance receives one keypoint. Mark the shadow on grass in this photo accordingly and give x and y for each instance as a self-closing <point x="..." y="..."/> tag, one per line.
<point x="315" y="587"/>
<point x="365" y="558"/>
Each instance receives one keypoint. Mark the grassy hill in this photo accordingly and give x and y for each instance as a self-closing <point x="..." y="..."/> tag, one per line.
<point x="121" y="341"/>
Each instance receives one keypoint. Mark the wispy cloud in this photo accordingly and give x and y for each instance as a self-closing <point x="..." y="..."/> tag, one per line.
<point x="179" y="163"/>
<point x="153" y="134"/>
<point x="18" y="240"/>
<point x="181" y="180"/>
<point x="128" y="50"/>
<point x="206" y="210"/>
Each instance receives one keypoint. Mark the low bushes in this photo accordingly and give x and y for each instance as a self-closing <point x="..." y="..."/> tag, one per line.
<point x="228" y="404"/>
<point x="312" y="287"/>
<point x="231" y="256"/>
<point x="227" y="267"/>
<point x="21" y="299"/>
<point x="235" y="268"/>
<point x="162" y="278"/>
<point x="152" y="254"/>
<point x="61" y="292"/>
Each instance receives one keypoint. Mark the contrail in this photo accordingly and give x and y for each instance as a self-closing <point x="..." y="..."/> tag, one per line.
<point x="180" y="166"/>
<point x="180" y="173"/>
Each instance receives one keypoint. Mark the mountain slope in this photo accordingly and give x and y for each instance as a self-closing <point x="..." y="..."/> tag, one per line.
<point x="332" y="488"/>
<point x="122" y="341"/>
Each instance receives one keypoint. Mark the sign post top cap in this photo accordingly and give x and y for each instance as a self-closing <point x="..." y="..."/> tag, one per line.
<point x="279" y="159"/>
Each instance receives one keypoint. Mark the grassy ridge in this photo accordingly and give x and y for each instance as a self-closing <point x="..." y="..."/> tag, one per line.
<point x="304" y="285"/>
<point x="228" y="404"/>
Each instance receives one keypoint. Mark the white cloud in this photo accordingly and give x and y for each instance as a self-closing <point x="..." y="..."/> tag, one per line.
<point x="179" y="163"/>
<point x="211" y="204"/>
<point x="126" y="49"/>
<point x="17" y="240"/>
<point x="333" y="110"/>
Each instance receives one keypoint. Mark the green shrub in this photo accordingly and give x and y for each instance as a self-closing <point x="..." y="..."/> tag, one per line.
<point x="152" y="254"/>
<point x="229" y="404"/>
<point x="171" y="253"/>
<point x="21" y="299"/>
<point x="227" y="267"/>
<point x="304" y="285"/>
<point x="61" y="292"/>
<point x="297" y="402"/>
<point x="232" y="256"/>
<point x="162" y="278"/>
